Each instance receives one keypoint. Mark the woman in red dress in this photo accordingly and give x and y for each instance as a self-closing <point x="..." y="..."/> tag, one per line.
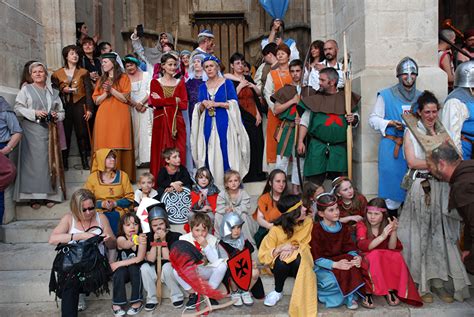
<point x="169" y="98"/>
<point x="388" y="273"/>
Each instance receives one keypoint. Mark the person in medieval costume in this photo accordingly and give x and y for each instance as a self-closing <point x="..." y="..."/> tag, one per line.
<point x="40" y="176"/>
<point x="326" y="124"/>
<point x="285" y="106"/>
<point x="458" y="111"/>
<point x="218" y="137"/>
<point x="428" y="230"/>
<point x="151" y="55"/>
<point x="231" y="244"/>
<point x="386" y="117"/>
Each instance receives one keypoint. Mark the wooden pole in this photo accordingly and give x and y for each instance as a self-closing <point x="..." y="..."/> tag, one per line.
<point x="348" y="101"/>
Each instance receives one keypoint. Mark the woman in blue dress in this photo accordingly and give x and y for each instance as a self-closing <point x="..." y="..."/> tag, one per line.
<point x="218" y="138"/>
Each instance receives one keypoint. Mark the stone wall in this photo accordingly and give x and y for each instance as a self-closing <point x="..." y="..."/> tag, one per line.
<point x="117" y="21"/>
<point x="380" y="33"/>
<point x="21" y="40"/>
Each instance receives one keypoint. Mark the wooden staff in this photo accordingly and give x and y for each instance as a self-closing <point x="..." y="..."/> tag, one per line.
<point x="159" y="246"/>
<point x="87" y="125"/>
<point x="176" y="38"/>
<point x="348" y="101"/>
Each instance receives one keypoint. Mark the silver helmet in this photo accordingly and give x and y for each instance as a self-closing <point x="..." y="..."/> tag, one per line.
<point x="464" y="75"/>
<point x="230" y="220"/>
<point x="157" y="211"/>
<point x="407" y="66"/>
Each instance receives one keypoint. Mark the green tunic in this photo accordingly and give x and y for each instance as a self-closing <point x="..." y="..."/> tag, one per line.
<point x="327" y="133"/>
<point x="286" y="142"/>
<point x="327" y="144"/>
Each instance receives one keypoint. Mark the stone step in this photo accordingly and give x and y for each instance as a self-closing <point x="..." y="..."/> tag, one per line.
<point x="27" y="231"/>
<point x="25" y="212"/>
<point x="26" y="256"/>
<point x="101" y="308"/>
<point x="33" y="286"/>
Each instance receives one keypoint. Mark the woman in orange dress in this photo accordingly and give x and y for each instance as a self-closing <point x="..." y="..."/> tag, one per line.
<point x="113" y="123"/>
<point x="276" y="79"/>
<point x="169" y="98"/>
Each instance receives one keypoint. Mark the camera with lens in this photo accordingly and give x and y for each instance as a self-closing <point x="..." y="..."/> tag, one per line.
<point x="49" y="118"/>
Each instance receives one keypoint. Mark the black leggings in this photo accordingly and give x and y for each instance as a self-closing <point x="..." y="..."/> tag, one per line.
<point x="74" y="119"/>
<point x="282" y="270"/>
<point x="69" y="301"/>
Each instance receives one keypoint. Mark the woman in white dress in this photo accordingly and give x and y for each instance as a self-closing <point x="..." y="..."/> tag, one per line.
<point x="142" y="115"/>
<point x="429" y="231"/>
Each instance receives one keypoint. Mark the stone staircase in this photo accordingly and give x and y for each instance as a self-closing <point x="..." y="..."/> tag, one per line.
<point x="26" y="260"/>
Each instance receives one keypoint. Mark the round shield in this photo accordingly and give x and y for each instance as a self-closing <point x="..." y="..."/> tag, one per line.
<point x="177" y="206"/>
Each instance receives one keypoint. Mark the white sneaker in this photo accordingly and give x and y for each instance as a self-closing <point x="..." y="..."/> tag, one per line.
<point x="235" y="296"/>
<point x="353" y="305"/>
<point x="272" y="298"/>
<point x="247" y="298"/>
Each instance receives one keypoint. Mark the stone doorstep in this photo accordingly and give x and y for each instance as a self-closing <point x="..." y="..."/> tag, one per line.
<point x="101" y="308"/>
<point x="33" y="286"/>
<point x="27" y="231"/>
<point x="26" y="256"/>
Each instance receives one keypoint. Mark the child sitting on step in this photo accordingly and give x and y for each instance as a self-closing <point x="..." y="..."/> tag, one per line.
<point x="336" y="262"/>
<point x="131" y="245"/>
<point x="145" y="184"/>
<point x="233" y="242"/>
<point x="211" y="268"/>
<point x="160" y="232"/>
<point x="173" y="176"/>
<point x="235" y="199"/>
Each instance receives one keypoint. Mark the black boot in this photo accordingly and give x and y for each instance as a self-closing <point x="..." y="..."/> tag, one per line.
<point x="65" y="162"/>
<point x="84" y="161"/>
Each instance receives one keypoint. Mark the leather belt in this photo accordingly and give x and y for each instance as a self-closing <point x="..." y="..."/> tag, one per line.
<point x="423" y="175"/>
<point x="398" y="143"/>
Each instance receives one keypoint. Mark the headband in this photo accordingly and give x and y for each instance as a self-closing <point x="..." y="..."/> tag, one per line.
<point x="374" y="208"/>
<point x="339" y="180"/>
<point x="329" y="204"/>
<point x="110" y="55"/>
<point x="185" y="52"/>
<point x="294" y="207"/>
<point x="130" y="59"/>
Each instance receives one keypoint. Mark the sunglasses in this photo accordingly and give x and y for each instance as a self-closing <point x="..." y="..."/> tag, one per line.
<point x="88" y="209"/>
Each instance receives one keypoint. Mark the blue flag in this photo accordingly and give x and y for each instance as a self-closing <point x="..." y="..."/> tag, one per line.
<point x="275" y="8"/>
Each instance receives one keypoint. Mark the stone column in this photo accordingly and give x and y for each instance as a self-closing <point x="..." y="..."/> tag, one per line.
<point x="59" y="21"/>
<point x="379" y="34"/>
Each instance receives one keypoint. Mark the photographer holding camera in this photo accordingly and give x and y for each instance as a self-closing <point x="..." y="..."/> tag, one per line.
<point x="38" y="106"/>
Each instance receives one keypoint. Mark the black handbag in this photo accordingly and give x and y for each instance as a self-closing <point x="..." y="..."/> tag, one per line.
<point x="80" y="265"/>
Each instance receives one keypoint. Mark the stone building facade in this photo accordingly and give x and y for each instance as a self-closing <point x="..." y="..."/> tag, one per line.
<point x="379" y="33"/>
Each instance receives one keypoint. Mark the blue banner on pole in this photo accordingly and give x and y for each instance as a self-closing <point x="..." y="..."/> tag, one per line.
<point x="275" y="8"/>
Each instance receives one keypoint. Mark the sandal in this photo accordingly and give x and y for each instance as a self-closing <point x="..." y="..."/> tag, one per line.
<point x="392" y="299"/>
<point x="50" y="204"/>
<point x="368" y="302"/>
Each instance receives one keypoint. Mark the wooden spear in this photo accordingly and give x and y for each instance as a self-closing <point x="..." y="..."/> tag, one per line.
<point x="348" y="101"/>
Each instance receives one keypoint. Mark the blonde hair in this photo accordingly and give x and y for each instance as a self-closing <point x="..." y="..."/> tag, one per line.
<point x="229" y="174"/>
<point x="80" y="196"/>
<point x="146" y="175"/>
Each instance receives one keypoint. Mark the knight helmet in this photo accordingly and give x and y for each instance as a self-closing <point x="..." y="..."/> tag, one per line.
<point x="407" y="66"/>
<point x="230" y="220"/>
<point x="464" y="75"/>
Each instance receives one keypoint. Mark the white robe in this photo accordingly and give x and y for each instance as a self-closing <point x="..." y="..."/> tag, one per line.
<point x="237" y="142"/>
